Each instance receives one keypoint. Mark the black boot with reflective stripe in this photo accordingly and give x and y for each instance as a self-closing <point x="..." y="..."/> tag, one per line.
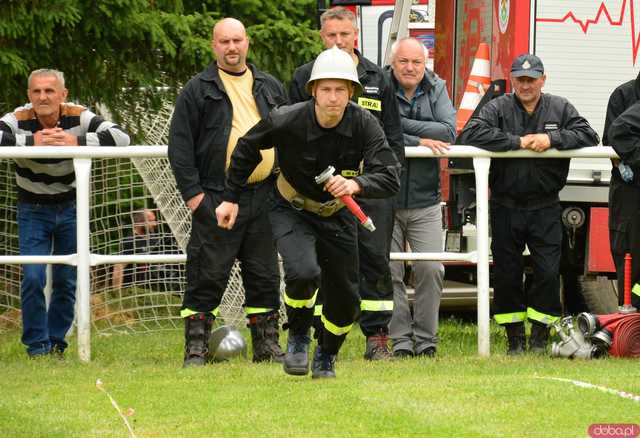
<point x="539" y="338"/>
<point x="324" y="364"/>
<point x="515" y="338"/>
<point x="197" y="330"/>
<point x="265" y="337"/>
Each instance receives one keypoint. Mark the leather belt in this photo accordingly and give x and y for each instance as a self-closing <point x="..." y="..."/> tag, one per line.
<point x="301" y="202"/>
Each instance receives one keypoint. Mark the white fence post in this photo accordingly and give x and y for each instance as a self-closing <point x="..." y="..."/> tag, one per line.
<point x="481" y="166"/>
<point x="82" y="168"/>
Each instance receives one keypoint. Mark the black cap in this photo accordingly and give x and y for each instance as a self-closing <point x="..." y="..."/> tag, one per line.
<point x="527" y="65"/>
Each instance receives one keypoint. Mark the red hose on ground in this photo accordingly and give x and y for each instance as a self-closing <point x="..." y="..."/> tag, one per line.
<point x="626" y="341"/>
<point x="625" y="331"/>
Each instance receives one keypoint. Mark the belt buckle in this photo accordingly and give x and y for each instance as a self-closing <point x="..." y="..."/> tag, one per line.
<point x="297" y="203"/>
<point x="327" y="208"/>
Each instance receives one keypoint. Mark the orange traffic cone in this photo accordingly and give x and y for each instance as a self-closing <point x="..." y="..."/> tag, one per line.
<point x="479" y="81"/>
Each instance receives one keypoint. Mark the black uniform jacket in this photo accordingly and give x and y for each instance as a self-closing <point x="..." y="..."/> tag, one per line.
<point x="622" y="199"/>
<point x="620" y="100"/>
<point x="201" y="124"/>
<point x="625" y="137"/>
<point x="305" y="149"/>
<point x="378" y="97"/>
<point x="528" y="183"/>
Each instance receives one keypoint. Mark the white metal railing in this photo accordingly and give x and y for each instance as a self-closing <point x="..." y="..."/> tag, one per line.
<point x="83" y="259"/>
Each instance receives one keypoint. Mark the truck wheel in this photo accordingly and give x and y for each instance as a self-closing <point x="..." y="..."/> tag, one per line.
<point x="600" y="295"/>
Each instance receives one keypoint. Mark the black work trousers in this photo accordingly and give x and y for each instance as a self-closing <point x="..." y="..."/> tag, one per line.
<point x="624" y="231"/>
<point x="318" y="252"/>
<point x="212" y="251"/>
<point x="376" y="286"/>
<point x="541" y="231"/>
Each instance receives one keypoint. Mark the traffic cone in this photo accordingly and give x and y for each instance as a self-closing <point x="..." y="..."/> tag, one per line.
<point x="478" y="82"/>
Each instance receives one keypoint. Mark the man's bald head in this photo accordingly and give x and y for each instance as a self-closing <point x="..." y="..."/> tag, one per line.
<point x="226" y="24"/>
<point x="230" y="44"/>
<point x="408" y="59"/>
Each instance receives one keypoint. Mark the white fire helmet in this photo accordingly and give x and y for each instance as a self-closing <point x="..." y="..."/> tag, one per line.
<point x="225" y="343"/>
<point x="334" y="63"/>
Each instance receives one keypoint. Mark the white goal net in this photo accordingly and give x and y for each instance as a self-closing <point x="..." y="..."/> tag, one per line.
<point x="124" y="298"/>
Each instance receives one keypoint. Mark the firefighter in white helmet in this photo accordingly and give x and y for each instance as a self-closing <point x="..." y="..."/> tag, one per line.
<point x="315" y="235"/>
<point x="338" y="26"/>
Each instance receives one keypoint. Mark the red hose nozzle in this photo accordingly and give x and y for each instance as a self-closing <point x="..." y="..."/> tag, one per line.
<point x="347" y="200"/>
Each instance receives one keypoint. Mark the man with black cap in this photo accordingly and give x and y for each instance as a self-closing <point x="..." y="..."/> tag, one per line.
<point x="525" y="207"/>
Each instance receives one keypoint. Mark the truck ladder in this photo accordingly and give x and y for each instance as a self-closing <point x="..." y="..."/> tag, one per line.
<point x="399" y="25"/>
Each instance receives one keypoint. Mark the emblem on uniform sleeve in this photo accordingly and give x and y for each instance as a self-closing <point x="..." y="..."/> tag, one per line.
<point x="550" y="126"/>
<point x="370" y="104"/>
<point x="371" y="90"/>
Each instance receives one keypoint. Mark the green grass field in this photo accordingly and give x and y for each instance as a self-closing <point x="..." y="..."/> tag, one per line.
<point x="456" y="395"/>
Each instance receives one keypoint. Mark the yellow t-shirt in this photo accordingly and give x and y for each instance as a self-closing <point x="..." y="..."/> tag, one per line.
<point x="245" y="115"/>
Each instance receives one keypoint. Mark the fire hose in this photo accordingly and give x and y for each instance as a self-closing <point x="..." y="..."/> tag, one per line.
<point x="616" y="333"/>
<point x="347" y="200"/>
<point x="626" y="333"/>
<point x="626" y="339"/>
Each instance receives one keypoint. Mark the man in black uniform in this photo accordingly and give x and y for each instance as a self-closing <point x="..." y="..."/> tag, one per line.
<point x="315" y="236"/>
<point x="624" y="135"/>
<point x="525" y="207"/>
<point x="214" y="109"/>
<point x="624" y="196"/>
<point x="339" y="28"/>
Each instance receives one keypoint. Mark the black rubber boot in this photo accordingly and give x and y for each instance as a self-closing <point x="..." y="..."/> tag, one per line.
<point x="197" y="330"/>
<point x="515" y="338"/>
<point x="539" y="338"/>
<point x="265" y="337"/>
<point x="324" y="365"/>
<point x="296" y="361"/>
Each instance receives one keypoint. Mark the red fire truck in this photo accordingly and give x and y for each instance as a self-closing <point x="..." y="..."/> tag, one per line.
<point x="589" y="47"/>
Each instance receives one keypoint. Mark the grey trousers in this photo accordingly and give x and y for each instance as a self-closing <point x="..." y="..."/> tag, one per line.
<point x="422" y="229"/>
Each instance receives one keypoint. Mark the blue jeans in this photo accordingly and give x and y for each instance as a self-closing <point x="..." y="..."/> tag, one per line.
<point x="44" y="230"/>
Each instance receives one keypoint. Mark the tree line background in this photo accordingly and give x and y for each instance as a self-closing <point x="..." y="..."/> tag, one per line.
<point x="119" y="52"/>
<point x="129" y="56"/>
